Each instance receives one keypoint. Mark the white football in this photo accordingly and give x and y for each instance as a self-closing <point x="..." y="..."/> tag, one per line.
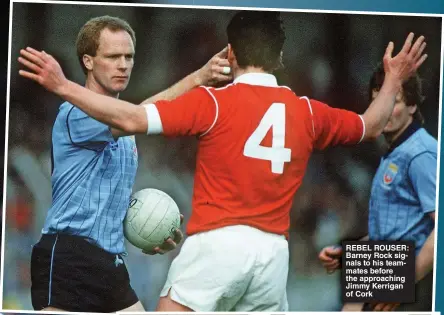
<point x="152" y="217"/>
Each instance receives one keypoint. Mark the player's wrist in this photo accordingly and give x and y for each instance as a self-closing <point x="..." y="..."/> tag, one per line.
<point x="198" y="77"/>
<point x="392" y="83"/>
<point x="65" y="89"/>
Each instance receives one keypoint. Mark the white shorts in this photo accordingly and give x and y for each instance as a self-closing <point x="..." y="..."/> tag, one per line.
<point x="235" y="268"/>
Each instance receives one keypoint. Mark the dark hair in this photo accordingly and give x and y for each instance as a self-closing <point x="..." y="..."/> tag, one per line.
<point x="257" y="38"/>
<point x="89" y="35"/>
<point x="411" y="90"/>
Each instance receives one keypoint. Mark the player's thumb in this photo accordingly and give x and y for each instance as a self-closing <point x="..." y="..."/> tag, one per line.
<point x="223" y="53"/>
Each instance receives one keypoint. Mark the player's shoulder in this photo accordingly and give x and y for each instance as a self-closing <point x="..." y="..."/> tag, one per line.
<point x="426" y="141"/>
<point x="419" y="144"/>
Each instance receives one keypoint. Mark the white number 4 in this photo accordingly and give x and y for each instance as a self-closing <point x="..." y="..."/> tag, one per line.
<point x="274" y="118"/>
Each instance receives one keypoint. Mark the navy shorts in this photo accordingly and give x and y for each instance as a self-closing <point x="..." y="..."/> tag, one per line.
<point x="70" y="273"/>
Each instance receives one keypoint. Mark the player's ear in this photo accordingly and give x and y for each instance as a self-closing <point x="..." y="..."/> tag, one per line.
<point x="412" y="109"/>
<point x="88" y="62"/>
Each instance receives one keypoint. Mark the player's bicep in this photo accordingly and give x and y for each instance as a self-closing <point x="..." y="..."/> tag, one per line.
<point x="334" y="126"/>
<point x="193" y="113"/>
<point x="85" y="131"/>
<point x="422" y="172"/>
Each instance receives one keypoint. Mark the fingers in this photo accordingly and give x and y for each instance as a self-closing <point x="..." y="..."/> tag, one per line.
<point x="181" y="219"/>
<point x="416" y="46"/>
<point x="420" y="51"/>
<point x="390" y="307"/>
<point x="331" y="267"/>
<point x="389" y="50"/>
<point x="29" y="75"/>
<point x="33" y="56"/>
<point x="408" y="43"/>
<point x="223" y="62"/>
<point x="334" y="252"/>
<point x="324" y="257"/>
<point x="223" y="53"/>
<point x="221" y="70"/>
<point x="331" y="264"/>
<point x="178" y="236"/>
<point x="378" y="307"/>
<point x="385" y="307"/>
<point x="30" y="65"/>
<point x="420" y="61"/>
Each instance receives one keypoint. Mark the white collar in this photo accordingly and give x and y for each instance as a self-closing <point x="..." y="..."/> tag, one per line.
<point x="256" y="78"/>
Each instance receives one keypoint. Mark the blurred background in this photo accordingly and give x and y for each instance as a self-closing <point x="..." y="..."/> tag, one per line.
<point x="329" y="57"/>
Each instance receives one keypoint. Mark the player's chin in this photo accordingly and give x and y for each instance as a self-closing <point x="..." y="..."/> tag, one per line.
<point x="388" y="128"/>
<point x="120" y="86"/>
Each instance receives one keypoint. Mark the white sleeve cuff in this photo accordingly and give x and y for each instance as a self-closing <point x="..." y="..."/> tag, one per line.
<point x="363" y="129"/>
<point x="153" y="119"/>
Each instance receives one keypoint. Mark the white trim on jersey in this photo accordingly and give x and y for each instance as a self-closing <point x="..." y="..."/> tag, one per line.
<point x="153" y="118"/>
<point x="311" y="112"/>
<point x="263" y="79"/>
<point x="363" y="129"/>
<point x="217" y="111"/>
<point x="221" y="88"/>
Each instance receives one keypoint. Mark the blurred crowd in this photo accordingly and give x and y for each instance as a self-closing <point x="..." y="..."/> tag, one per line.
<point x="327" y="56"/>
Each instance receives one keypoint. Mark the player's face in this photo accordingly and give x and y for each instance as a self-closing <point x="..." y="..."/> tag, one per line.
<point x="111" y="67"/>
<point x="401" y="117"/>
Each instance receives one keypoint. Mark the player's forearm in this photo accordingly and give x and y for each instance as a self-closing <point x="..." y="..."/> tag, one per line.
<point x="186" y="84"/>
<point x="378" y="113"/>
<point x="424" y="260"/>
<point x="111" y="111"/>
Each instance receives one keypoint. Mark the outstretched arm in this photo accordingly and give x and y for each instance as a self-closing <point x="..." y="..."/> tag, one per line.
<point x="216" y="70"/>
<point x="122" y="115"/>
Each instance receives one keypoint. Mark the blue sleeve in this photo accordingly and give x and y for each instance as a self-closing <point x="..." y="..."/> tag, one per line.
<point x="422" y="173"/>
<point x="87" y="132"/>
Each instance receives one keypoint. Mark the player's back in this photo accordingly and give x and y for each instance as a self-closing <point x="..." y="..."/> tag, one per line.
<point x="253" y="159"/>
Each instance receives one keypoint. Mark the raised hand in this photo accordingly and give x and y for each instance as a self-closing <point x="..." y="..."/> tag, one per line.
<point x="44" y="69"/>
<point x="407" y="61"/>
<point x="216" y="70"/>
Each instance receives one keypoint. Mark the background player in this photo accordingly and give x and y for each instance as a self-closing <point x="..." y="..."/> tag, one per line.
<point x="246" y="174"/>
<point x="92" y="179"/>
<point x="403" y="195"/>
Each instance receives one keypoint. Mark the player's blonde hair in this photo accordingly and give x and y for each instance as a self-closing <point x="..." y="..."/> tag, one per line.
<point x="88" y="38"/>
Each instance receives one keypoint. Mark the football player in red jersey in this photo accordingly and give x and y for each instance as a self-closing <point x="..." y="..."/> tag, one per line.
<point x="255" y="139"/>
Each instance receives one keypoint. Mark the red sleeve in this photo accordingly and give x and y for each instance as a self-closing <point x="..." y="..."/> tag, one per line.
<point x="192" y="113"/>
<point x="334" y="126"/>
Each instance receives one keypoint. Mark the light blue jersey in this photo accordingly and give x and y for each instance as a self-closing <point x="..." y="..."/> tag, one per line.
<point x="92" y="179"/>
<point x="404" y="189"/>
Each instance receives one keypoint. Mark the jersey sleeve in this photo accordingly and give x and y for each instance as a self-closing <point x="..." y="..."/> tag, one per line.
<point x="87" y="132"/>
<point x="334" y="126"/>
<point x="422" y="173"/>
<point x="192" y="114"/>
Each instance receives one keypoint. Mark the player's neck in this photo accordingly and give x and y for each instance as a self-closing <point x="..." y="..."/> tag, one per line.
<point x="240" y="71"/>
<point x="94" y="86"/>
<point x="393" y="136"/>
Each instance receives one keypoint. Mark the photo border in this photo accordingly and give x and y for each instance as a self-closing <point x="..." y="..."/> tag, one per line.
<point x="203" y="5"/>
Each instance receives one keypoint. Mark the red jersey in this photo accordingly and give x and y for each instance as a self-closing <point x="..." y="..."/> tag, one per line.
<point x="255" y="140"/>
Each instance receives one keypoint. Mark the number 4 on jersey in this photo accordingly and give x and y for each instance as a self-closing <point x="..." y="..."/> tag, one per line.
<point x="274" y="118"/>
